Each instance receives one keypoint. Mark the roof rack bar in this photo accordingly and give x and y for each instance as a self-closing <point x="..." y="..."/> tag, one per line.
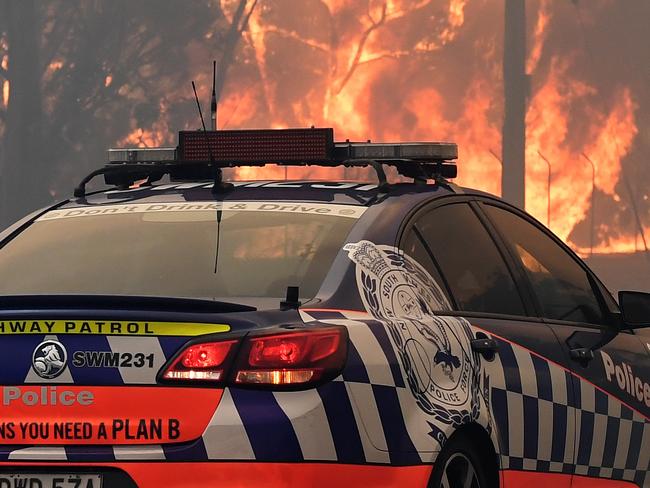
<point x="381" y="176"/>
<point x="80" y="189"/>
<point x="124" y="175"/>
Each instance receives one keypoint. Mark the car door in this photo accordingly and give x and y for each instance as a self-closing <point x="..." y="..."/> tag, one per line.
<point x="610" y="368"/>
<point x="530" y="394"/>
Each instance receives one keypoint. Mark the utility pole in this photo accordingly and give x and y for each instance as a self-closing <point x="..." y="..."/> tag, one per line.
<point x="515" y="83"/>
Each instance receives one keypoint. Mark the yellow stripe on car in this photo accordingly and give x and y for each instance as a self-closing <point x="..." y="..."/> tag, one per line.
<point x="109" y="327"/>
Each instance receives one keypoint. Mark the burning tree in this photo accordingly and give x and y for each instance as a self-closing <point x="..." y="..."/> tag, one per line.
<point x="96" y="74"/>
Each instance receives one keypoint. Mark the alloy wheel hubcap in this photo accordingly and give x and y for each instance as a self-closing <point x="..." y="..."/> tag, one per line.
<point x="459" y="472"/>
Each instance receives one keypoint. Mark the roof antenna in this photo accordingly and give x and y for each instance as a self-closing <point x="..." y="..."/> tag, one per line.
<point x="213" y="100"/>
<point x="219" y="185"/>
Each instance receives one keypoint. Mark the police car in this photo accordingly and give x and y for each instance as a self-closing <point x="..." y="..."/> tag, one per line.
<point x="200" y="332"/>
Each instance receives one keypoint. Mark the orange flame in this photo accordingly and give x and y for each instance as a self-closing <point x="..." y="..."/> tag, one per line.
<point x="401" y="70"/>
<point x="5" y="93"/>
<point x="158" y="134"/>
<point x="4" y="63"/>
<point x="539" y="37"/>
<point x="456" y="19"/>
<point x="607" y="140"/>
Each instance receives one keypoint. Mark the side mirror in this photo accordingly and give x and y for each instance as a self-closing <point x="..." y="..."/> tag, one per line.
<point x="635" y="309"/>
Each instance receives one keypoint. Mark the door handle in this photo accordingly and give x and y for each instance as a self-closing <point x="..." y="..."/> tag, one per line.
<point x="485" y="346"/>
<point x="582" y="355"/>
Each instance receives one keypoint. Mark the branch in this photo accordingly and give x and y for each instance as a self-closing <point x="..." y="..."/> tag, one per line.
<point x="364" y="38"/>
<point x="294" y="36"/>
<point x="244" y="24"/>
<point x="391" y="56"/>
<point x="237" y="27"/>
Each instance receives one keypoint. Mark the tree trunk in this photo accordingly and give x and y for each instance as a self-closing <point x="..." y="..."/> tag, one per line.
<point x="24" y="174"/>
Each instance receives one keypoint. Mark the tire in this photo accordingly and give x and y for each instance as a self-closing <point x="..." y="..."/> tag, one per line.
<point x="460" y="465"/>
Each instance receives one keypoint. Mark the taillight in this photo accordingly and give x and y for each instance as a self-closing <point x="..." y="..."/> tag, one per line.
<point x="291" y="349"/>
<point x="204" y="361"/>
<point x="290" y="358"/>
<point x="285" y="359"/>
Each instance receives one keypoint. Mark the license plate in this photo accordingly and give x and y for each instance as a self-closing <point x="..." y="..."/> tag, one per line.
<point x="50" y="480"/>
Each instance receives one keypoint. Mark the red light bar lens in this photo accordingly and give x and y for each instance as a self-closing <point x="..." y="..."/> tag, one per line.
<point x="257" y="146"/>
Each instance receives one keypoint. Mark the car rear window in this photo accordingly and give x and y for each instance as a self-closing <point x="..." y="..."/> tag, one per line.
<point x="171" y="250"/>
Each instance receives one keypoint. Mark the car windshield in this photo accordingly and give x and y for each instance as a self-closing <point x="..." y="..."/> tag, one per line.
<point x="171" y="250"/>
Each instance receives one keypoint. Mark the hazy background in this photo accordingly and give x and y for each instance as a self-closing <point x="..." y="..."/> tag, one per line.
<point x="80" y="76"/>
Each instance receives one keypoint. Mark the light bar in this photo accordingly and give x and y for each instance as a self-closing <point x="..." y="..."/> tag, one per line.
<point x="284" y="146"/>
<point x="419" y="151"/>
<point x="191" y="160"/>
<point x="142" y="155"/>
<point x="257" y="146"/>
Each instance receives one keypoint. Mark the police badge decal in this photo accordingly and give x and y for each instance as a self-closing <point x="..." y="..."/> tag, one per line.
<point x="446" y="379"/>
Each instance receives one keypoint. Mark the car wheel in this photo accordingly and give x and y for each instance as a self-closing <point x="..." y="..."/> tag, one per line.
<point x="459" y="465"/>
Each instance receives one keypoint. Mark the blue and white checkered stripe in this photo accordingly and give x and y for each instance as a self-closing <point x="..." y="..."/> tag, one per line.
<point x="540" y="395"/>
<point x="525" y="389"/>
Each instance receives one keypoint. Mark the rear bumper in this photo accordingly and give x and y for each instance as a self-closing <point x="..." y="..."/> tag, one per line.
<point x="238" y="474"/>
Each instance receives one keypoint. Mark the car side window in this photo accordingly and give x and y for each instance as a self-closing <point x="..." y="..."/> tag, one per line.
<point x="561" y="285"/>
<point x="469" y="260"/>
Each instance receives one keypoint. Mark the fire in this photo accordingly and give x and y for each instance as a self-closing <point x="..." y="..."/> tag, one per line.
<point x="605" y="141"/>
<point x="612" y="140"/>
<point x="456" y="19"/>
<point x="391" y="70"/>
<point x="235" y="110"/>
<point x="5" y="93"/>
<point x="157" y="135"/>
<point x="361" y="58"/>
<point x="471" y="130"/>
<point x="142" y="138"/>
<point x="4" y="64"/>
<point x="539" y="37"/>
<point x="53" y="67"/>
<point x="547" y="132"/>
